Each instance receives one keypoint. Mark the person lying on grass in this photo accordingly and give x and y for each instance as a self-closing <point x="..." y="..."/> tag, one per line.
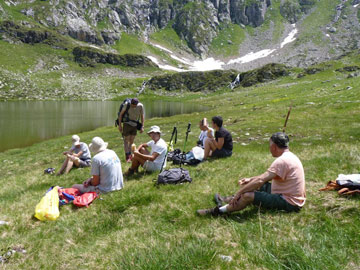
<point x="150" y="161"/>
<point x="78" y="156"/>
<point x="105" y="170"/>
<point x="222" y="144"/>
<point x="286" y="192"/>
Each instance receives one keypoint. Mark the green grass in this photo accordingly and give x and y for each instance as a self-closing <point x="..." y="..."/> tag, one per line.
<point x="169" y="38"/>
<point x="220" y="45"/>
<point x="322" y="14"/>
<point x="145" y="227"/>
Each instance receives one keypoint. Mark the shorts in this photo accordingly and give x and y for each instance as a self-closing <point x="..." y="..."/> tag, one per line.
<point x="84" y="163"/>
<point x="266" y="199"/>
<point x="220" y="153"/>
<point x="129" y="130"/>
<point x="150" y="166"/>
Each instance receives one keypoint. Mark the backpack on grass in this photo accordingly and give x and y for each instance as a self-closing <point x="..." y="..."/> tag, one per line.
<point x="174" y="176"/>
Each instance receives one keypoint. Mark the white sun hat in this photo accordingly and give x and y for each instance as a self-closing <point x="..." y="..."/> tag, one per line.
<point x="75" y="140"/>
<point x="155" y="129"/>
<point x="97" y="145"/>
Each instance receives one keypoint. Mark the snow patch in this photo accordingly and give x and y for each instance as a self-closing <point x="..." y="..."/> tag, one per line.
<point x="166" y="67"/>
<point x="290" y="38"/>
<point x="162" y="48"/>
<point x="206" y="65"/>
<point x="182" y="60"/>
<point x="355" y="5"/>
<point x="251" y="56"/>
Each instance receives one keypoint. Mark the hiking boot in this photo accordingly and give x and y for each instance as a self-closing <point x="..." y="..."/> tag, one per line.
<point x="220" y="200"/>
<point x="211" y="211"/>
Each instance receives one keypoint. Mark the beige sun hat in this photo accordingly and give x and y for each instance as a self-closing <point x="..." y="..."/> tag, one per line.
<point x="75" y="140"/>
<point x="97" y="145"/>
<point x="155" y="129"/>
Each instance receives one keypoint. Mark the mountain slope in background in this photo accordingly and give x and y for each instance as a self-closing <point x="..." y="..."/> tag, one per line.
<point x="176" y="35"/>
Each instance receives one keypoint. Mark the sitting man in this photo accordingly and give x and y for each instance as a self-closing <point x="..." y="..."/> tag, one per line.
<point x="150" y="161"/>
<point x="286" y="192"/>
<point x="78" y="156"/>
<point x="222" y="145"/>
<point x="105" y="170"/>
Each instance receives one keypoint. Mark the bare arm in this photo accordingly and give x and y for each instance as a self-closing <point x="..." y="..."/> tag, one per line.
<point x="253" y="183"/>
<point x="120" y="120"/>
<point x="142" y="122"/>
<point x="147" y="157"/>
<point x="92" y="181"/>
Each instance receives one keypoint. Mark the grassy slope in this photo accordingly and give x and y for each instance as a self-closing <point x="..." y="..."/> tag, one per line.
<point x="144" y="227"/>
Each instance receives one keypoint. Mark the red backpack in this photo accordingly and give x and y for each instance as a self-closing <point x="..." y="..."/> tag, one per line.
<point x="85" y="199"/>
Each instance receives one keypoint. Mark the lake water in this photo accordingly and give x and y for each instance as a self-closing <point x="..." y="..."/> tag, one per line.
<point x="23" y="123"/>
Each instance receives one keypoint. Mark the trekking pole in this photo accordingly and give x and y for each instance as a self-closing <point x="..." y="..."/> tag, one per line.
<point x="287" y="117"/>
<point x="174" y="132"/>
<point x="187" y="134"/>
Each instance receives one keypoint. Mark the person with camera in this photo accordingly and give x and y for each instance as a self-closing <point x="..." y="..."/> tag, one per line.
<point x="129" y="123"/>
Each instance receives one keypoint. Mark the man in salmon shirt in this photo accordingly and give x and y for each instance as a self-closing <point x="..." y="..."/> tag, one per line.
<point x="286" y="192"/>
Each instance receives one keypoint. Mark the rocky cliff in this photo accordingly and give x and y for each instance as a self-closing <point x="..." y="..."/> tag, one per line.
<point x="102" y="22"/>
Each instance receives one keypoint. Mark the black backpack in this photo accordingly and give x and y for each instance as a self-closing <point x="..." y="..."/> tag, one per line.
<point x="126" y="101"/>
<point x="174" y="176"/>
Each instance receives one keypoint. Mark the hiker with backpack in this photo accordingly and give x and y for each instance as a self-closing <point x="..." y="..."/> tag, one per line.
<point x="286" y="192"/>
<point x="222" y="144"/>
<point x="105" y="170"/>
<point x="78" y="156"/>
<point x="131" y="110"/>
<point x="153" y="160"/>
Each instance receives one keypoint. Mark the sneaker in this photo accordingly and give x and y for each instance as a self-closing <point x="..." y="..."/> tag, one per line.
<point x="220" y="200"/>
<point x="211" y="211"/>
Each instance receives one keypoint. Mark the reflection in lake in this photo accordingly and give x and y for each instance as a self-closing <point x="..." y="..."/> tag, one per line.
<point x="23" y="123"/>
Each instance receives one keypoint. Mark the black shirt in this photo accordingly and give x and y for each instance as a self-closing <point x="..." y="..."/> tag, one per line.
<point x="223" y="133"/>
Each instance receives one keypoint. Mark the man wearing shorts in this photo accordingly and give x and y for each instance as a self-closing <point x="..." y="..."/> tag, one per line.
<point x="151" y="161"/>
<point x="286" y="192"/>
<point x="130" y="119"/>
<point x="222" y="145"/>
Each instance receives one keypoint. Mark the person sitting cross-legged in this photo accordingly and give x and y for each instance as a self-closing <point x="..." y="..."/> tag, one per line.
<point x="222" y="144"/>
<point x="78" y="156"/>
<point x="151" y="161"/>
<point x="105" y="170"/>
<point x="286" y="192"/>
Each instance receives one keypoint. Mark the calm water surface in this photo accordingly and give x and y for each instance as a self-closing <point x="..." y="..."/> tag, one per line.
<point x="23" y="123"/>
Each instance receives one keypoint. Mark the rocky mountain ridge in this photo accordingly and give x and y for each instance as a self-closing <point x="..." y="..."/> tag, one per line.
<point x="102" y="22"/>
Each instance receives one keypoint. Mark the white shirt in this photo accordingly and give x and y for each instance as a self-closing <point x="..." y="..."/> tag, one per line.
<point x="203" y="136"/>
<point x="159" y="147"/>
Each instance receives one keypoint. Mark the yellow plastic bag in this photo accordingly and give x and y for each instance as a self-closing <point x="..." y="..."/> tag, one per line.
<point x="48" y="207"/>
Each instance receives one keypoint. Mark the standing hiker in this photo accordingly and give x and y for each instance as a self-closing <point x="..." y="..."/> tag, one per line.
<point x="222" y="144"/>
<point x="151" y="161"/>
<point x="129" y="123"/>
<point x="78" y="156"/>
<point x="105" y="169"/>
<point x="286" y="192"/>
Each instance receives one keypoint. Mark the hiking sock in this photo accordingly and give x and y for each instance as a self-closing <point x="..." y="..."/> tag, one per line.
<point x="223" y="209"/>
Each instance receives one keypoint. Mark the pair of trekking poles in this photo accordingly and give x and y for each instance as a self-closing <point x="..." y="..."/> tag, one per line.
<point x="171" y="148"/>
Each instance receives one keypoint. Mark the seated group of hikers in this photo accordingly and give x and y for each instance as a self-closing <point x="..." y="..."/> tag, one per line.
<point x="286" y="192"/>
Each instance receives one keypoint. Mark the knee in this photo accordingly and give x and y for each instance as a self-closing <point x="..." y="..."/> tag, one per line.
<point x="248" y="197"/>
